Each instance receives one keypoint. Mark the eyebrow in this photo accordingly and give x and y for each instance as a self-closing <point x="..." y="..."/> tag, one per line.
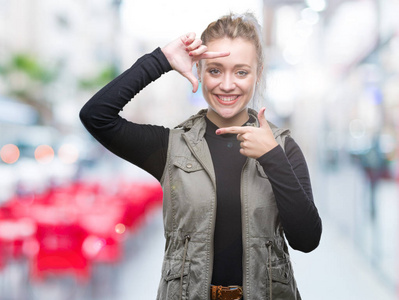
<point x="221" y="65"/>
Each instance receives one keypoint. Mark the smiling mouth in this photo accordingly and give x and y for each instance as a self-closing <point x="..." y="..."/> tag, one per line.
<point x="223" y="99"/>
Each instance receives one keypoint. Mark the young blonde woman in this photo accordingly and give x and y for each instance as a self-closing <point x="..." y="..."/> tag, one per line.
<point x="235" y="186"/>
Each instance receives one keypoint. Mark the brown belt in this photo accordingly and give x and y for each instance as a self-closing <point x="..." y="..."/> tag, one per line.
<point x="231" y="292"/>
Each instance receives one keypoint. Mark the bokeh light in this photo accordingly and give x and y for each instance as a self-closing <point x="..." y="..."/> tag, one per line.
<point x="357" y="128"/>
<point x="68" y="153"/>
<point x="44" y="154"/>
<point x="92" y="245"/>
<point x="317" y="5"/>
<point x="31" y="247"/>
<point x="9" y="153"/>
<point x="310" y="16"/>
<point x="120" y="228"/>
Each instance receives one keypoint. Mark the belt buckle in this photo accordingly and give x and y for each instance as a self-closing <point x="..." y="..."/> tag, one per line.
<point x="219" y="292"/>
<point x="233" y="287"/>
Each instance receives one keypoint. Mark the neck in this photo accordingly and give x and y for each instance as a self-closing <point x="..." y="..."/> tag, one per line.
<point x="221" y="122"/>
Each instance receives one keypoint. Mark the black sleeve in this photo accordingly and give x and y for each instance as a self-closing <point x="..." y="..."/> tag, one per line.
<point x="289" y="176"/>
<point x="142" y="145"/>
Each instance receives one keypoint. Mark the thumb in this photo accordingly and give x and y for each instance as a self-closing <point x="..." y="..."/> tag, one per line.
<point x="261" y="117"/>
<point x="194" y="81"/>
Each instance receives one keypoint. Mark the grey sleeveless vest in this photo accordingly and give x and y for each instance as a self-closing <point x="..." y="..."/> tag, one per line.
<point x="189" y="211"/>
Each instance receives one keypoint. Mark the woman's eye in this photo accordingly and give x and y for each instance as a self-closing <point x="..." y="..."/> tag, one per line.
<point x="242" y="73"/>
<point x="214" y="71"/>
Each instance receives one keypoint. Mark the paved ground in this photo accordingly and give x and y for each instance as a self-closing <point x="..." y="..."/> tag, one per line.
<point x="334" y="271"/>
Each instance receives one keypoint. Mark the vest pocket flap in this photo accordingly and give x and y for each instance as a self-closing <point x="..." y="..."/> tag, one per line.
<point x="188" y="165"/>
<point x="173" y="269"/>
<point x="282" y="273"/>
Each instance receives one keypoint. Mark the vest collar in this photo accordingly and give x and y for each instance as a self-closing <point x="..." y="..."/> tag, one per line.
<point x="196" y="125"/>
<point x="189" y="123"/>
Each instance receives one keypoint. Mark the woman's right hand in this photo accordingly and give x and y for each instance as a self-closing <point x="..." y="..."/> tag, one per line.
<point x="184" y="52"/>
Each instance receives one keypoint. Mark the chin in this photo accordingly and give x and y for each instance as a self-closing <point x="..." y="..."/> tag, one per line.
<point x="227" y="114"/>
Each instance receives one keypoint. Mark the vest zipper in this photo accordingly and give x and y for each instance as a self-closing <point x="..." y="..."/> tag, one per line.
<point x="213" y="221"/>
<point x="186" y="240"/>
<point x="269" y="245"/>
<point x="244" y="235"/>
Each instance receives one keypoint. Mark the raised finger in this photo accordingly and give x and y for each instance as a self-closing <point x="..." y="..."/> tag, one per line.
<point x="233" y="129"/>
<point x="194" y="45"/>
<point x="262" y="118"/>
<point x="188" y="38"/>
<point x="199" y="51"/>
<point x="214" y="54"/>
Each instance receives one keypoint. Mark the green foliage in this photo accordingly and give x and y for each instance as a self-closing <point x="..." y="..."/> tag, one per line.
<point x="31" y="66"/>
<point x="29" y="88"/>
<point x="102" y="78"/>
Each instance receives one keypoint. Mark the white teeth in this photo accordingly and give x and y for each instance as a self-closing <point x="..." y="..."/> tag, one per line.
<point x="227" y="98"/>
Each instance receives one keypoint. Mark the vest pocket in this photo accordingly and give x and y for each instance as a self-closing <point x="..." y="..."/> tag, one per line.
<point x="282" y="272"/>
<point x="171" y="275"/>
<point x="283" y="285"/>
<point x="187" y="165"/>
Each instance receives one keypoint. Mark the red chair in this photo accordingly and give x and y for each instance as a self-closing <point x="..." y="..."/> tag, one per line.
<point x="14" y="233"/>
<point x="139" y="198"/>
<point x="60" y="252"/>
<point x="104" y="242"/>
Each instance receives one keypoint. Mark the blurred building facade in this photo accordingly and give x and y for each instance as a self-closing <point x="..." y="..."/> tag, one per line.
<point x="53" y="56"/>
<point x="333" y="78"/>
<point x="72" y="40"/>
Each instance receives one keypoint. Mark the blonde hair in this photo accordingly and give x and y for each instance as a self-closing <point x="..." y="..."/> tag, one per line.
<point x="244" y="26"/>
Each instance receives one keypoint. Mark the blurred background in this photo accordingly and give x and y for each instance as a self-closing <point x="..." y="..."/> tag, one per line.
<point x="79" y="223"/>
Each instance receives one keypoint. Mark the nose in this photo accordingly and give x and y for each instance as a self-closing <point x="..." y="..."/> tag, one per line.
<point x="227" y="83"/>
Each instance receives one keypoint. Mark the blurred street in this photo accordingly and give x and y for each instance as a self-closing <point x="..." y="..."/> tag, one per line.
<point x="79" y="223"/>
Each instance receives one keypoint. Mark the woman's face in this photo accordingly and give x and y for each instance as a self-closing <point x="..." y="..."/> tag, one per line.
<point x="228" y="83"/>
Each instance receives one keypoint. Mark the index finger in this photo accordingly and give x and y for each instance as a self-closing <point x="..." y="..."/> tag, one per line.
<point x="214" y="54"/>
<point x="232" y="129"/>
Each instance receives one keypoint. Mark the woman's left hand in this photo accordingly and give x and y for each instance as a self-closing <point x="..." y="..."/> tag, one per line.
<point x="255" y="141"/>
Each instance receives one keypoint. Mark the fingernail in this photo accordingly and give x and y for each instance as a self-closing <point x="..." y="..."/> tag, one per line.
<point x="218" y="131"/>
<point x="190" y="53"/>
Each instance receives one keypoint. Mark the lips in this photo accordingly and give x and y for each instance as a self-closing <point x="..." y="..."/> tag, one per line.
<point x="227" y="99"/>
